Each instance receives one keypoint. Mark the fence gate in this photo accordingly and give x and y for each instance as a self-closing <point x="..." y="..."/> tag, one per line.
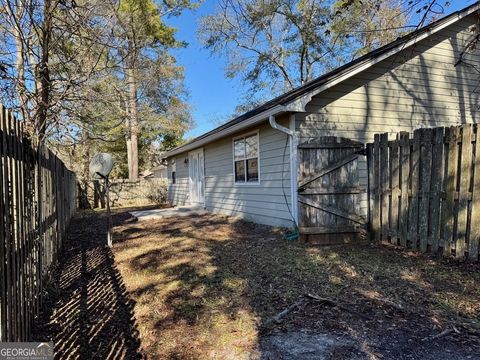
<point x="329" y="190"/>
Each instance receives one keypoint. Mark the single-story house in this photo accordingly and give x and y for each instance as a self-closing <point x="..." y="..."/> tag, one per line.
<point x="250" y="166"/>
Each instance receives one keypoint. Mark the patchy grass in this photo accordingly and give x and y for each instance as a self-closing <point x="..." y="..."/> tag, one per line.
<point x="204" y="287"/>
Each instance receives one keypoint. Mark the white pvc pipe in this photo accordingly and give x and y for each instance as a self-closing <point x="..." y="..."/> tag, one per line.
<point x="293" y="164"/>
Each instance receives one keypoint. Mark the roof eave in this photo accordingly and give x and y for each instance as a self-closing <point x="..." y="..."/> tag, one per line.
<point x="254" y="120"/>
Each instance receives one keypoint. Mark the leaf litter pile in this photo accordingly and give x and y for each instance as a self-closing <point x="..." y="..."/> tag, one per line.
<point x="216" y="287"/>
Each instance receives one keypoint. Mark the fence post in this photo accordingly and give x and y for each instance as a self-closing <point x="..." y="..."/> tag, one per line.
<point x="375" y="188"/>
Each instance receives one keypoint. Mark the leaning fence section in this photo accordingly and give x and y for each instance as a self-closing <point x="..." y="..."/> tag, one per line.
<point x="424" y="190"/>
<point x="37" y="200"/>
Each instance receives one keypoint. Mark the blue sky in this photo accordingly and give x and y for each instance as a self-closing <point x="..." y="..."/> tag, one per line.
<point x="212" y="96"/>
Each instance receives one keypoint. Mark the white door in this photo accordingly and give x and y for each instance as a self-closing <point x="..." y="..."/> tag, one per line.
<point x="196" y="174"/>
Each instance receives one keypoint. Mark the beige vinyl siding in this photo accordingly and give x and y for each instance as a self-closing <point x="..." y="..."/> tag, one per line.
<point x="419" y="87"/>
<point x="262" y="203"/>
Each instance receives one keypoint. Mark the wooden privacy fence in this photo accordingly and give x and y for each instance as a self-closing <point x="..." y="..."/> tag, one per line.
<point x="37" y="200"/>
<point x="424" y="192"/>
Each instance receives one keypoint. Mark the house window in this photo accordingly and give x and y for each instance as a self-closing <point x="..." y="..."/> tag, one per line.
<point x="245" y="154"/>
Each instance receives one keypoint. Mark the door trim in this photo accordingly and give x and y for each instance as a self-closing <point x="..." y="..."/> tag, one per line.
<point x="201" y="175"/>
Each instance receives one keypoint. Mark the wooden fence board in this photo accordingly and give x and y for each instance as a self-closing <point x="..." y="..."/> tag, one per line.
<point x="404" y="181"/>
<point x="384" y="185"/>
<point x="376" y="188"/>
<point x="3" y="260"/>
<point x="414" y="183"/>
<point x="425" y="174"/>
<point x="370" y="185"/>
<point x="473" y="246"/>
<point x="395" y="189"/>
<point x="465" y="169"/>
<point x="452" y="138"/>
<point x="436" y="181"/>
<point x="8" y="220"/>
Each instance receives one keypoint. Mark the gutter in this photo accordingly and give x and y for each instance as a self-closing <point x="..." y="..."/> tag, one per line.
<point x="293" y="164"/>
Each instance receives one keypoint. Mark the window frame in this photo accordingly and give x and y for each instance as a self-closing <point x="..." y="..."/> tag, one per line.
<point x="245" y="182"/>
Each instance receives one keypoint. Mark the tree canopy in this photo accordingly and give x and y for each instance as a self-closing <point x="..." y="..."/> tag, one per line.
<point x="95" y="75"/>
<point x="276" y="45"/>
<point x="99" y="75"/>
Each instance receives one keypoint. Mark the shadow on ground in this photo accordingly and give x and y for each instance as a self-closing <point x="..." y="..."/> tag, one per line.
<point x="206" y="286"/>
<point x="88" y="314"/>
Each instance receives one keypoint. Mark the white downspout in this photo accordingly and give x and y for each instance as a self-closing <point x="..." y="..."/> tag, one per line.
<point x="293" y="164"/>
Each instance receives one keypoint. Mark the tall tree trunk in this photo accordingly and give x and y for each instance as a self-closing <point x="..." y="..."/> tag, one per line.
<point x="132" y="148"/>
<point x="43" y="72"/>
<point x="84" y="176"/>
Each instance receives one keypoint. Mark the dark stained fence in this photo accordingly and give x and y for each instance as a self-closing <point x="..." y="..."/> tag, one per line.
<point x="424" y="190"/>
<point x="37" y="200"/>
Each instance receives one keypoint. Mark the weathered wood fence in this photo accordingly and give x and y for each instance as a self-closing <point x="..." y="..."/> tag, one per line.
<point x="37" y="200"/>
<point x="329" y="190"/>
<point x="424" y="191"/>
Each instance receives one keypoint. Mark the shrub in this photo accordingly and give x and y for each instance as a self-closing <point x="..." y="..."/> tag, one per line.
<point x="156" y="191"/>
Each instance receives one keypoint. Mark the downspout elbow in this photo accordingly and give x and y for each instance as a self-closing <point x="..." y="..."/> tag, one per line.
<point x="275" y="125"/>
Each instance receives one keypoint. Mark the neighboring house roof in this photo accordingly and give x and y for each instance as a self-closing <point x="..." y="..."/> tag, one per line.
<point x="151" y="172"/>
<point x="158" y="167"/>
<point x="296" y="99"/>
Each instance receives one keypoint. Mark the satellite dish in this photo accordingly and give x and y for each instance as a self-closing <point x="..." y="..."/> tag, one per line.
<point x="101" y="165"/>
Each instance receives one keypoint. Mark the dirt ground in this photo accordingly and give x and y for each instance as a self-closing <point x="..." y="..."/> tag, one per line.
<point x="88" y="313"/>
<point x="207" y="287"/>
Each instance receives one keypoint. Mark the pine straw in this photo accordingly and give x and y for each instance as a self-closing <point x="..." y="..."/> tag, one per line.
<point x="203" y="287"/>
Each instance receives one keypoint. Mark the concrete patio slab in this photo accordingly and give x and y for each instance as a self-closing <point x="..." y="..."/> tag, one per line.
<point x="169" y="212"/>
